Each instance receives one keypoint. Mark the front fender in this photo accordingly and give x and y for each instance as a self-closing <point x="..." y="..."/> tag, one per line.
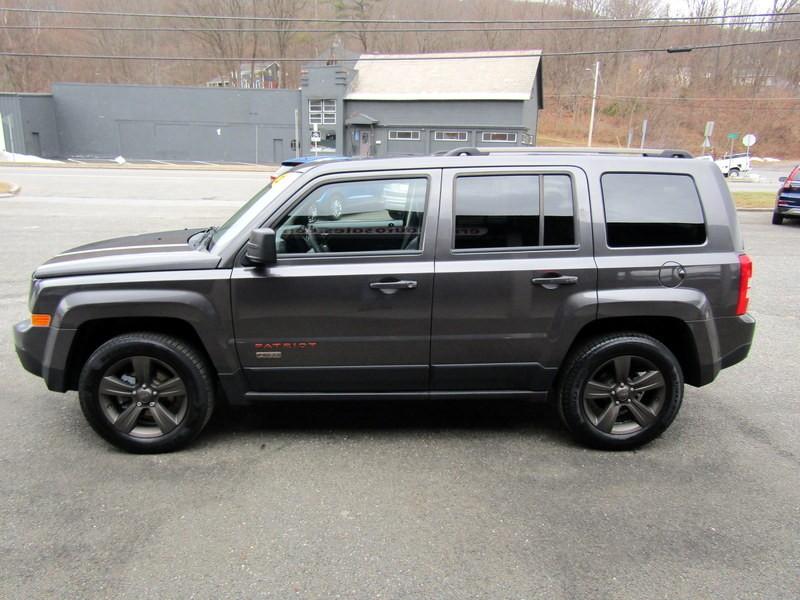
<point x="206" y="309"/>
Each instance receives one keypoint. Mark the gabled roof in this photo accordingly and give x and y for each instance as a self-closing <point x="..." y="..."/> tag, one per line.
<point x="507" y="75"/>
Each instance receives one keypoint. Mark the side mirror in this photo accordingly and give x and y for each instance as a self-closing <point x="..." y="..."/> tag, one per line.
<point x="781" y="179"/>
<point x="260" y="250"/>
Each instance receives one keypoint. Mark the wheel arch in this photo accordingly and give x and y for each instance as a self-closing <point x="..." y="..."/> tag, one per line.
<point x="92" y="333"/>
<point x="674" y="333"/>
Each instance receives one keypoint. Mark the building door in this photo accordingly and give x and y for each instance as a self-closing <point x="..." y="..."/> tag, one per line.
<point x="277" y="150"/>
<point x="36" y="145"/>
<point x="364" y="142"/>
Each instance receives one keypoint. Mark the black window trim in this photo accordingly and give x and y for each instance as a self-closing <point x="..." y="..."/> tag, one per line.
<point x="539" y="172"/>
<point x="623" y="249"/>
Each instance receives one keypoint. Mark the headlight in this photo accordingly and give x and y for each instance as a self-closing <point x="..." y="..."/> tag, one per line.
<point x="33" y="294"/>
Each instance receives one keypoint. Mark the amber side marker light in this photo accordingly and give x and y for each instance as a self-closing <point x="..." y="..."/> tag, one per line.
<point x="40" y="320"/>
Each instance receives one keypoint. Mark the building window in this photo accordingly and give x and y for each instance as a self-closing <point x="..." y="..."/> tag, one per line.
<point x="322" y="112"/>
<point x="405" y="135"/>
<point x="450" y="136"/>
<point x="498" y="136"/>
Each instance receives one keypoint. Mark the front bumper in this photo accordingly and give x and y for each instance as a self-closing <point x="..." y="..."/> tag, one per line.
<point x="29" y="343"/>
<point x="43" y="351"/>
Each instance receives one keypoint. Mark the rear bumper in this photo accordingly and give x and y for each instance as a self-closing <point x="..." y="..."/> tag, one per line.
<point x="721" y="343"/>
<point x="788" y="211"/>
<point x="43" y="352"/>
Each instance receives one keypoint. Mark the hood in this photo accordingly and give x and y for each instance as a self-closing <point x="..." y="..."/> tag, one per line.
<point x="162" y="251"/>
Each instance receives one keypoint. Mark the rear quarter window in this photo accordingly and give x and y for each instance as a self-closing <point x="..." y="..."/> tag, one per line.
<point x="652" y="209"/>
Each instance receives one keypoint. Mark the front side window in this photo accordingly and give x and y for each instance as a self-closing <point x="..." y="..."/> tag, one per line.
<point x="322" y="112"/>
<point x="504" y="211"/>
<point x="498" y="136"/>
<point x="450" y="136"/>
<point x="378" y="215"/>
<point x="652" y="209"/>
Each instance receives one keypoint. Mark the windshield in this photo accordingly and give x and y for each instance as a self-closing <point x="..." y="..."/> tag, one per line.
<point x="255" y="204"/>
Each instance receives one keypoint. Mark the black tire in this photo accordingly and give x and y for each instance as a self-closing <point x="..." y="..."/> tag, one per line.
<point x="734" y="172"/>
<point x="168" y="355"/>
<point x="599" y="353"/>
<point x="397" y="215"/>
<point x="777" y="218"/>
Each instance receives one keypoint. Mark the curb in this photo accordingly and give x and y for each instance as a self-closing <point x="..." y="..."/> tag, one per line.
<point x="754" y="210"/>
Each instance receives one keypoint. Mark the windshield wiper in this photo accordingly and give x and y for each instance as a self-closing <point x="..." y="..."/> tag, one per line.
<point x="202" y="238"/>
<point x="208" y="234"/>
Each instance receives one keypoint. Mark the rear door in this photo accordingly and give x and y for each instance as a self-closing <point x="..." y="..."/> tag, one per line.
<point x="515" y="276"/>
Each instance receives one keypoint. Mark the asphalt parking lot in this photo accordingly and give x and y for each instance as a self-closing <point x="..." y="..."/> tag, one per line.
<point x="389" y="500"/>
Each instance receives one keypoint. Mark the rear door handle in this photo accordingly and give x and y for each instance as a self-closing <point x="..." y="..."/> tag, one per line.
<point x="553" y="281"/>
<point x="389" y="287"/>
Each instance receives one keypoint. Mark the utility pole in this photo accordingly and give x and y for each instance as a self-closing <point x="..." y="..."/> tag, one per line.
<point x="594" y="101"/>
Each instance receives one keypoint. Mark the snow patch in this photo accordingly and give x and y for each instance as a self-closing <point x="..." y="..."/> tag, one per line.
<point x="23" y="158"/>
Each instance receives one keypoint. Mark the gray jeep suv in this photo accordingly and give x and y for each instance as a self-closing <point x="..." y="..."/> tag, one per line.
<point x="601" y="283"/>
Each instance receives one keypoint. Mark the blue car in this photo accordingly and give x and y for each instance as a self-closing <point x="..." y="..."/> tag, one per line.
<point x="787" y="203"/>
<point x="291" y="163"/>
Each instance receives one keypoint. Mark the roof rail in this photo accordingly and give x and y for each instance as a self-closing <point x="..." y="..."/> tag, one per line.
<point x="652" y="152"/>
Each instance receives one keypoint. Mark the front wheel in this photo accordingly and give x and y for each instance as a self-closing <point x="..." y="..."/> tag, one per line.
<point x="146" y="392"/>
<point x="777" y="218"/>
<point x="620" y="391"/>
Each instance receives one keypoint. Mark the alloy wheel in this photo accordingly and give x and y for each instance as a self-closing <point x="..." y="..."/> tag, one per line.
<point x="624" y="396"/>
<point x="143" y="397"/>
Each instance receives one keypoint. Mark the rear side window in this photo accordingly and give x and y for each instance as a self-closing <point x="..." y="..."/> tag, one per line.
<point x="504" y="211"/>
<point x="649" y="209"/>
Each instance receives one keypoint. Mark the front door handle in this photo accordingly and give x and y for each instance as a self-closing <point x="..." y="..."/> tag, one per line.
<point x="551" y="282"/>
<point x="390" y="287"/>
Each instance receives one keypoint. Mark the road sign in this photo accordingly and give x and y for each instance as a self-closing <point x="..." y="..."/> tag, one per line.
<point x="316" y="137"/>
<point x="748" y="140"/>
<point x="733" y="136"/>
<point x="709" y="129"/>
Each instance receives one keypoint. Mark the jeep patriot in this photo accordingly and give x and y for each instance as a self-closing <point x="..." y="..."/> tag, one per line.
<point x="600" y="282"/>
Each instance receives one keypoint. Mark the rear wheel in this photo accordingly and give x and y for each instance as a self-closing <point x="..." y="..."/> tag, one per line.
<point x="620" y="391"/>
<point x="146" y="393"/>
<point x="777" y="218"/>
<point x="734" y="172"/>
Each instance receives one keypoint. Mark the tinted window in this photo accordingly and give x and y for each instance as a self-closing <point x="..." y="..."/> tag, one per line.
<point x="503" y="211"/>
<point x="356" y="216"/>
<point x="559" y="222"/>
<point x="644" y="209"/>
<point x="497" y="211"/>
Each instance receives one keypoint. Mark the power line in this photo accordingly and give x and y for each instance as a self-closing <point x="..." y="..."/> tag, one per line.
<point x="368" y="57"/>
<point x="379" y="30"/>
<point x="387" y="21"/>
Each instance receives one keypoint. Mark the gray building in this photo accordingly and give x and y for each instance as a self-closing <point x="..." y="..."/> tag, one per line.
<point x="372" y="105"/>
<point x="390" y="105"/>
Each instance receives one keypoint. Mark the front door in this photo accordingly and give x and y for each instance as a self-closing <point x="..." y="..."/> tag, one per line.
<point x="347" y="308"/>
<point x="515" y="276"/>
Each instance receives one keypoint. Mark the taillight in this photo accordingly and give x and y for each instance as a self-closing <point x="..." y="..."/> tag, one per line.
<point x="745" y="274"/>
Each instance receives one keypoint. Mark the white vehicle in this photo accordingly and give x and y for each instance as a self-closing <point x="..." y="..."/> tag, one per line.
<point x="734" y="165"/>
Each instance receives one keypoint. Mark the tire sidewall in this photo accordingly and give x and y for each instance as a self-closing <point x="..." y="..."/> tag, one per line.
<point x="571" y="406"/>
<point x="198" y="392"/>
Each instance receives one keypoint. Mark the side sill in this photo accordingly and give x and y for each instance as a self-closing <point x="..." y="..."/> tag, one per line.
<point x="256" y="397"/>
